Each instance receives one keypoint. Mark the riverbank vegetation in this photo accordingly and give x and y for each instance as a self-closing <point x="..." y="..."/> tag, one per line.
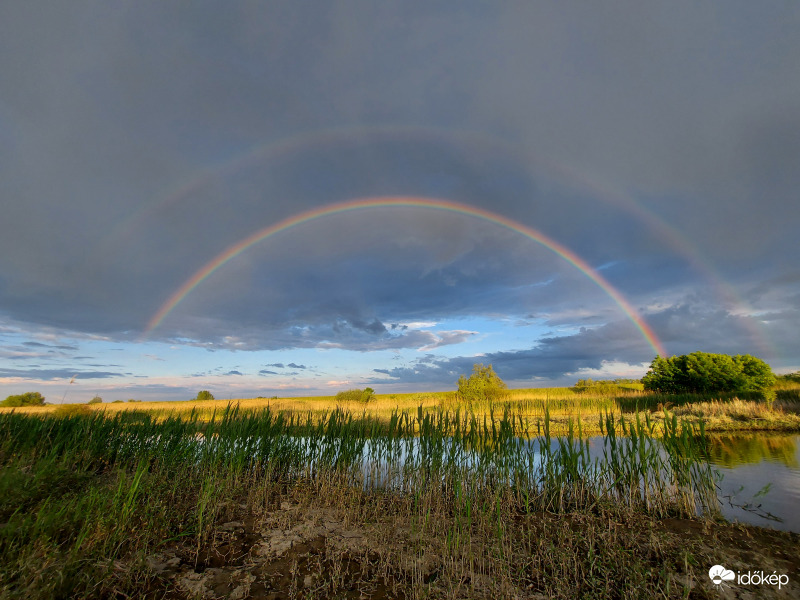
<point x="426" y="504"/>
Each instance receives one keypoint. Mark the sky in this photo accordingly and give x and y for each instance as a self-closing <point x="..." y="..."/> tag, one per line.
<point x="293" y="199"/>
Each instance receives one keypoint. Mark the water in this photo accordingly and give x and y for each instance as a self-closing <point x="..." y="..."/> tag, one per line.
<point x="758" y="483"/>
<point x="760" y="478"/>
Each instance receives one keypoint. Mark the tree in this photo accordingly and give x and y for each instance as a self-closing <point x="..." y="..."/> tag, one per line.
<point x="204" y="395"/>
<point x="95" y="400"/>
<point x="702" y="372"/>
<point x="483" y="384"/>
<point x="27" y="399"/>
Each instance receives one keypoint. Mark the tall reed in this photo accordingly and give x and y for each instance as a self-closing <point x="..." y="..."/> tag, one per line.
<point x="109" y="486"/>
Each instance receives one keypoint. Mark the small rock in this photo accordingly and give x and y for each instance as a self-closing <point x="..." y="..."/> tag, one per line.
<point x="156" y="563"/>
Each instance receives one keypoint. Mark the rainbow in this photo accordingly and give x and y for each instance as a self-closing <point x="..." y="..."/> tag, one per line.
<point x="405" y="201"/>
<point x="523" y="157"/>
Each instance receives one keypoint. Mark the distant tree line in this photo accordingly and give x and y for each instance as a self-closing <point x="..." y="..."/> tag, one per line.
<point x="789" y="377"/>
<point x="356" y="395"/>
<point x="583" y="385"/>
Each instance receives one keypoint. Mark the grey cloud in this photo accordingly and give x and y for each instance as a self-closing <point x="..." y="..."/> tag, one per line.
<point x="646" y="141"/>
<point x="41" y="345"/>
<point x="50" y="374"/>
<point x="446" y="338"/>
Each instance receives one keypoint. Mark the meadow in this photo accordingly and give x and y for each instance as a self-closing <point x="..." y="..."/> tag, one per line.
<point x="717" y="412"/>
<point x="407" y="496"/>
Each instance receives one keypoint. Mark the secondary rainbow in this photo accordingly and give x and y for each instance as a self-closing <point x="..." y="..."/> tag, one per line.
<point x="523" y="158"/>
<point x="415" y="202"/>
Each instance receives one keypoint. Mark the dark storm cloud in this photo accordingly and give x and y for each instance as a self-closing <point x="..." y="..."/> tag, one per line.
<point x="550" y="359"/>
<point x="418" y="339"/>
<point x="687" y="328"/>
<point x="684" y="329"/>
<point x="444" y="267"/>
<point x="109" y="116"/>
<point x="50" y="374"/>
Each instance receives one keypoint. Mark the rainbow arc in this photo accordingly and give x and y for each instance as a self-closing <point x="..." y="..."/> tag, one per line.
<point x="412" y="202"/>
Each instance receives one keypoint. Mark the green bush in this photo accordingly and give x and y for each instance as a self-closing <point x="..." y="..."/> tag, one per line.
<point x="702" y="372"/>
<point x="71" y="410"/>
<point x="28" y="399"/>
<point x="356" y="395"/>
<point x="96" y="400"/>
<point x="597" y="387"/>
<point x="204" y="395"/>
<point x="483" y="384"/>
<point x="789" y="377"/>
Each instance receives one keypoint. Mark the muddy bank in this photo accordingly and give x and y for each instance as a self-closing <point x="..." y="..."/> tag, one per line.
<point x="316" y="546"/>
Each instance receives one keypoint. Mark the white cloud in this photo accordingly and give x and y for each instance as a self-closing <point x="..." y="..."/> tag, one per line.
<point x="446" y="338"/>
<point x="612" y="370"/>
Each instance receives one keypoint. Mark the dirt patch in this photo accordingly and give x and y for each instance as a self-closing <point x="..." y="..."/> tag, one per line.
<point x="290" y="552"/>
<point x="327" y="548"/>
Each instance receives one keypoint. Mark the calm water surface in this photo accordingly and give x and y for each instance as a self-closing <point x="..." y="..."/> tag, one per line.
<point x="758" y="473"/>
<point x="760" y="478"/>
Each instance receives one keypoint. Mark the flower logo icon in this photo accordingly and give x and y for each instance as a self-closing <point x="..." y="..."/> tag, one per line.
<point x="718" y="574"/>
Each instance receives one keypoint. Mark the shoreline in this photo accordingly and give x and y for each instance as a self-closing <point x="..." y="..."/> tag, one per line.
<point x="136" y="506"/>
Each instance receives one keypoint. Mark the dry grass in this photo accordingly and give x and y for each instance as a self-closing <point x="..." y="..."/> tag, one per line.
<point x="134" y="506"/>
<point x="163" y="529"/>
<point x="743" y="414"/>
<point x="562" y="404"/>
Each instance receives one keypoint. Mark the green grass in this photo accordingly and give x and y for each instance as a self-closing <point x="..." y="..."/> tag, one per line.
<point x="486" y="491"/>
<point x="82" y="495"/>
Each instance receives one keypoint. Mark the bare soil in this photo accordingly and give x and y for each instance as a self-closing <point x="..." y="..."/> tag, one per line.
<point x="316" y="548"/>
